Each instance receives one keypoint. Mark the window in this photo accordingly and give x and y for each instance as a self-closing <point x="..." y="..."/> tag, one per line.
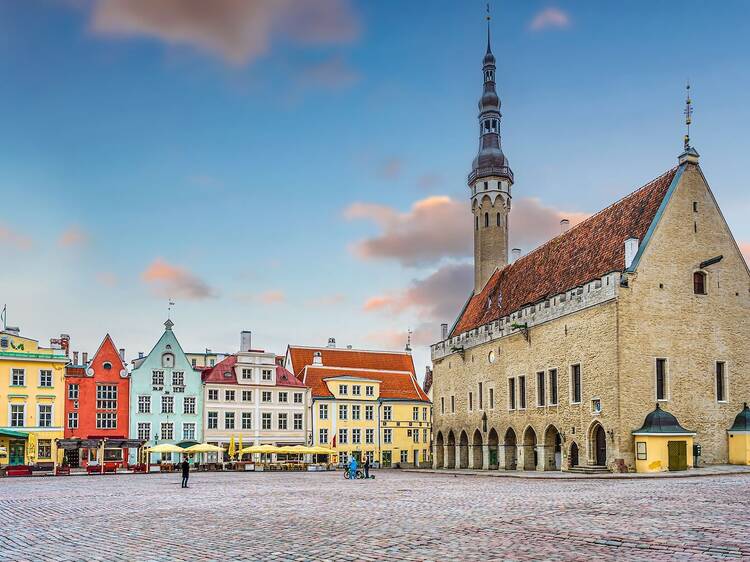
<point x="343" y="389"/>
<point x="343" y="436"/>
<point x="144" y="404"/>
<point x="247" y="395"/>
<point x="265" y="420"/>
<point x="596" y="406"/>
<point x="498" y="219"/>
<point x="356" y="436"/>
<point x="297" y="422"/>
<point x="323" y="436"/>
<point x="167" y="404"/>
<point x="194" y="362"/>
<point x="471" y="401"/>
<point x="356" y="411"/>
<point x="229" y="395"/>
<point x="247" y="420"/>
<point x="453" y="404"/>
<point x="661" y="379"/>
<point x="553" y="387"/>
<point x="387" y="435"/>
<point x="415" y="435"/>
<point x="283" y="397"/>
<point x="283" y="421"/>
<point x="424" y="435"/>
<point x="212" y="362"/>
<point x="18" y="378"/>
<point x="157" y="378"/>
<point x="369" y="436"/>
<point x="106" y="420"/>
<point x="476" y="223"/>
<point x="721" y="381"/>
<point x="415" y="413"/>
<point x="45" y="378"/>
<point x="387" y="413"/>
<point x="541" y="392"/>
<point x="404" y="456"/>
<point x="699" y="283"/>
<point x="106" y="396"/>
<point x="511" y="393"/>
<point x="73" y="392"/>
<point x="72" y="420"/>
<point x="228" y="420"/>
<point x="44" y="448"/>
<point x="424" y="414"/>
<point x="17" y="415"/>
<point x="213" y="420"/>
<point x="298" y="398"/>
<point x="486" y="220"/>
<point x="144" y="431"/>
<point x="343" y="412"/>
<point x="167" y="431"/>
<point x="575" y="384"/>
<point x="45" y="415"/>
<point x="522" y="392"/>
<point x="369" y="390"/>
<point x="213" y="393"/>
<point x="323" y="411"/>
<point x="369" y="412"/>
<point x="640" y="450"/>
<point x="167" y="360"/>
<point x="188" y="431"/>
<point x="188" y="405"/>
<point x="247" y="374"/>
<point x="480" y="394"/>
<point x="266" y="375"/>
<point x="356" y="390"/>
<point x="266" y="396"/>
<point x="178" y="378"/>
<point x="492" y="398"/>
<point x="442" y="404"/>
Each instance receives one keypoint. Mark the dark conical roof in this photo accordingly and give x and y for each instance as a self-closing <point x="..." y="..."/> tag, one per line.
<point x="742" y="421"/>
<point x="660" y="421"/>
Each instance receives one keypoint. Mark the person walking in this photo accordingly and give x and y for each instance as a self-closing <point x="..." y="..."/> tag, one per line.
<point x="367" y="467"/>
<point x="185" y="471"/>
<point x="353" y="468"/>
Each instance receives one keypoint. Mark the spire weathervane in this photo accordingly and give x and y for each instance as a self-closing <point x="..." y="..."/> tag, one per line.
<point x="488" y="26"/>
<point x="688" y="111"/>
<point x="169" y="309"/>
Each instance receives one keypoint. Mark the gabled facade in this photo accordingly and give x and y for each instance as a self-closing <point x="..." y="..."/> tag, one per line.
<point x="166" y="398"/>
<point x="97" y="404"/>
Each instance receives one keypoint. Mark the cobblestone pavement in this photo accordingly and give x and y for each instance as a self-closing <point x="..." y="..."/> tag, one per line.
<point x="397" y="516"/>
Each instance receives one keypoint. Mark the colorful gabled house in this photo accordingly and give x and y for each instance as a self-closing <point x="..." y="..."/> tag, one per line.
<point x="166" y="398"/>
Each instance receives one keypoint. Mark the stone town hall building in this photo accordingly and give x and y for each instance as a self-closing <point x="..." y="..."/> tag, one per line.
<point x="558" y="357"/>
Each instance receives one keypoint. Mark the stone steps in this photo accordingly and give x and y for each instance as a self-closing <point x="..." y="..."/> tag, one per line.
<point x="589" y="469"/>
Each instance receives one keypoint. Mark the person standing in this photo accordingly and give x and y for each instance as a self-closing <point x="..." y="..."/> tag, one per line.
<point x="367" y="467"/>
<point x="353" y="468"/>
<point x="185" y="471"/>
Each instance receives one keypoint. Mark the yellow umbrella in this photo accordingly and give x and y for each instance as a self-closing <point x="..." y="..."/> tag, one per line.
<point x="260" y="449"/>
<point x="318" y="450"/>
<point x="239" y="445"/>
<point x="204" y="448"/>
<point x="166" y="448"/>
<point x="231" y="448"/>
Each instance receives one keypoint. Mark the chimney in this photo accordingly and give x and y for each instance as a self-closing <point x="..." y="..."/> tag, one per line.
<point x="245" y="340"/>
<point x="13" y="330"/>
<point x="318" y="358"/>
<point x="140" y="355"/>
<point x="443" y="331"/>
<point x="331" y="342"/>
<point x="564" y="226"/>
<point x="85" y="356"/>
<point x="122" y="354"/>
<point x="349" y="346"/>
<point x="516" y="253"/>
<point x="631" y="249"/>
<point x="75" y="358"/>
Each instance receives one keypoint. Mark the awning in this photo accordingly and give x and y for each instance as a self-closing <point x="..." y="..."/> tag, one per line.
<point x="114" y="443"/>
<point x="13" y="433"/>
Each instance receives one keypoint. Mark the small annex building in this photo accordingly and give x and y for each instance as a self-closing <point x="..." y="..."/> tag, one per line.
<point x="739" y="438"/>
<point x="662" y="444"/>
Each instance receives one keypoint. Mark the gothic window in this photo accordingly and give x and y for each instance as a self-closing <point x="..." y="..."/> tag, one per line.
<point x="498" y="219"/>
<point x="699" y="283"/>
<point x="486" y="185"/>
<point x="486" y="220"/>
<point x="476" y="221"/>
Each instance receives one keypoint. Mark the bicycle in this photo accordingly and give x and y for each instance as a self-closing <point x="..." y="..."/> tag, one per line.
<point x="359" y="475"/>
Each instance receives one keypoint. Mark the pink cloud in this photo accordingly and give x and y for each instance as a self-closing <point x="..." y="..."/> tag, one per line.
<point x="11" y="239"/>
<point x="273" y="296"/>
<point x="745" y="249"/>
<point x="549" y="18"/>
<point x="107" y="278"/>
<point x="238" y="31"/>
<point x="72" y="237"/>
<point x="378" y="303"/>
<point x="172" y="281"/>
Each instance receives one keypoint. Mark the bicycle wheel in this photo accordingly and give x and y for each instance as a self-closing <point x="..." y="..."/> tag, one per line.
<point x="346" y="475"/>
<point x="360" y="475"/>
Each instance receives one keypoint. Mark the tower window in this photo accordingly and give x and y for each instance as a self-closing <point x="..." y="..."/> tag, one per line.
<point x="699" y="283"/>
<point x="476" y="223"/>
<point x="486" y="185"/>
<point x="498" y="219"/>
<point x="486" y="220"/>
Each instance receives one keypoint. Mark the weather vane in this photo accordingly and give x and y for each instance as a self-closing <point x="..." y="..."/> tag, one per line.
<point x="169" y="309"/>
<point x="408" y="340"/>
<point x="488" y="11"/>
<point x="688" y="115"/>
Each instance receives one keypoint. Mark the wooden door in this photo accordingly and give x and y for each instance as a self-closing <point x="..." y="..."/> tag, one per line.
<point x="16" y="452"/>
<point x="677" y="455"/>
<point x="600" y="440"/>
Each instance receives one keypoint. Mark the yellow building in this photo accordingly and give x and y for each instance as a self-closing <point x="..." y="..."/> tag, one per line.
<point x="32" y="401"/>
<point x="739" y="438"/>
<point x="662" y="444"/>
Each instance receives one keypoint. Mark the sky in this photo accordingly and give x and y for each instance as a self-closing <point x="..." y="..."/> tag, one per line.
<point x="299" y="169"/>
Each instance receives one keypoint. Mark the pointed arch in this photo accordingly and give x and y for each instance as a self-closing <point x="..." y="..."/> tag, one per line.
<point x="493" y="443"/>
<point x="597" y="444"/>
<point x="477" y="450"/>
<point x="439" y="450"/>
<point x="552" y="448"/>
<point x="463" y="450"/>
<point x="529" y="449"/>
<point x="450" y="462"/>
<point x="510" y="444"/>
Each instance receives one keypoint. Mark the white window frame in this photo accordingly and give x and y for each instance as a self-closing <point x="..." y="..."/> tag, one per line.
<point x="212" y="420"/>
<point x="571" y="386"/>
<point x="323" y="435"/>
<point x="51" y="378"/>
<point x="167" y="426"/>
<point x="139" y="431"/>
<point x="73" y="391"/>
<point x="230" y="415"/>
<point x="18" y="372"/>
<point x="192" y="401"/>
<point x="39" y="415"/>
<point x="106" y="420"/>
<point x="323" y="411"/>
<point x="167" y="398"/>
<point x="185" y="435"/>
<point x="726" y="382"/>
<point x="667" y="385"/>
<point x="10" y="415"/>
<point x="72" y="420"/>
<point x="144" y="399"/>
<point x="246" y="420"/>
<point x="229" y="395"/>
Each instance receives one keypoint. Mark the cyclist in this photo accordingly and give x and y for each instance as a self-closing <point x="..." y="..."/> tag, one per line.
<point x="353" y="468"/>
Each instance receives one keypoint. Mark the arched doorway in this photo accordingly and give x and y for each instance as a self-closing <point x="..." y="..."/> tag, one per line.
<point x="492" y="443"/>
<point x="573" y="456"/>
<point x="451" y="460"/>
<point x="477" y="451"/>
<point x="529" y="449"/>
<point x="439" y="451"/>
<point x="510" y="442"/>
<point x="463" y="449"/>
<point x="552" y="449"/>
<point x="598" y="445"/>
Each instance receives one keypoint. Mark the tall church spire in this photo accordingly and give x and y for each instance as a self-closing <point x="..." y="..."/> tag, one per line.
<point x="490" y="181"/>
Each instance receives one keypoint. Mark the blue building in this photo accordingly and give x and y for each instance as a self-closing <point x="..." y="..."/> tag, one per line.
<point x="165" y="397"/>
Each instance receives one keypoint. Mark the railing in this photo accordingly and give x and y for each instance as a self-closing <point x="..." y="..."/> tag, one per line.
<point x="504" y="171"/>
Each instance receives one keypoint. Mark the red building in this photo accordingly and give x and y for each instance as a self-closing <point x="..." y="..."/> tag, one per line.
<point x="97" y="400"/>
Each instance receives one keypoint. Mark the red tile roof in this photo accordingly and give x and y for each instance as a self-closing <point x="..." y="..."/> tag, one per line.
<point x="287" y="378"/>
<point x="223" y="373"/>
<point x="352" y="358"/>
<point x="400" y="385"/>
<point x="588" y="251"/>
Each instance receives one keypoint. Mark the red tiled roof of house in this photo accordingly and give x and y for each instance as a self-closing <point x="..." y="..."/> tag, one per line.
<point x="588" y="251"/>
<point x="218" y="373"/>
<point x="287" y="378"/>
<point x="400" y="385"/>
<point x="351" y="358"/>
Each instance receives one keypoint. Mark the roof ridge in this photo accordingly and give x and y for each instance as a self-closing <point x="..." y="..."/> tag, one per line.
<point x="358" y="369"/>
<point x="394" y="352"/>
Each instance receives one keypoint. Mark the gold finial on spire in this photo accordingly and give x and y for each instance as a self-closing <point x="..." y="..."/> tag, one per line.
<point x="688" y="111"/>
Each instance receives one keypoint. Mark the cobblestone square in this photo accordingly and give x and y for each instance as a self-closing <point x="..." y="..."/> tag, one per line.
<point x="397" y="516"/>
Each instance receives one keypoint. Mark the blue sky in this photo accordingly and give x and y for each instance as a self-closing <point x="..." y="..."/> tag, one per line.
<point x="302" y="175"/>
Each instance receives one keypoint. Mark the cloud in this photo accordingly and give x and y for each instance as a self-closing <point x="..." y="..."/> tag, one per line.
<point x="390" y="169"/>
<point x="330" y="74"/>
<point x="273" y="296"/>
<point x="73" y="236"/>
<point x="107" y="278"/>
<point x="439" y="227"/>
<point x="328" y="300"/>
<point x="11" y="239"/>
<point x="429" y="181"/>
<point x="745" y="249"/>
<point x="238" y="31"/>
<point x="549" y="18"/>
<point x="172" y="281"/>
